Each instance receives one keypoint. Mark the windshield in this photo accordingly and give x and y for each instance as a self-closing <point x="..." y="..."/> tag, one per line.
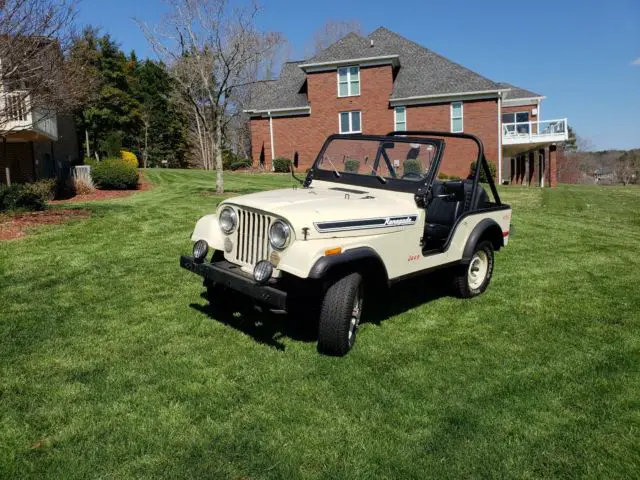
<point x="396" y="158"/>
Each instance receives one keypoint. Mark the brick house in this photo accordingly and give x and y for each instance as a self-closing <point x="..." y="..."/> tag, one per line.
<point x="385" y="82"/>
<point x="35" y="142"/>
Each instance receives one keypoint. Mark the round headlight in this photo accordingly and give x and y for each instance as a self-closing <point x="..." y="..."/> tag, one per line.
<point x="279" y="234"/>
<point x="200" y="250"/>
<point x="228" y="220"/>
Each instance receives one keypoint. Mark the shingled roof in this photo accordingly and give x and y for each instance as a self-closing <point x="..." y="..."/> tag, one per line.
<point x="286" y="92"/>
<point x="422" y="72"/>
<point x="516" y="93"/>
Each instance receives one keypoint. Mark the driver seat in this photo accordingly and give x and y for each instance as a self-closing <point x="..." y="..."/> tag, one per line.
<point x="441" y="216"/>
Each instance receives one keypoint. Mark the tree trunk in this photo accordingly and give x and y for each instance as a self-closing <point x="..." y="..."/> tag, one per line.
<point x="145" y="156"/>
<point x="86" y="137"/>
<point x="218" y="149"/>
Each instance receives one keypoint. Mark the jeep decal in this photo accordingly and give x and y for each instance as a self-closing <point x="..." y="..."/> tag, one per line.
<point x="380" y="222"/>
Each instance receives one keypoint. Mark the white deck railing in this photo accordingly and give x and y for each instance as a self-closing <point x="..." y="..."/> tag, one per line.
<point x="535" y="132"/>
<point x="18" y="115"/>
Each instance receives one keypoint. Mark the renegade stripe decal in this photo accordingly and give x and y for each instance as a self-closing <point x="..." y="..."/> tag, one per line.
<point x="380" y="222"/>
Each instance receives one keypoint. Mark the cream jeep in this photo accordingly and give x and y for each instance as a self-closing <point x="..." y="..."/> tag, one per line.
<point x="373" y="210"/>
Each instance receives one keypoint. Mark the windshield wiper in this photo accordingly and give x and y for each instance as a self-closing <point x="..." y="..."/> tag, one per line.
<point x="335" y="170"/>
<point x="377" y="175"/>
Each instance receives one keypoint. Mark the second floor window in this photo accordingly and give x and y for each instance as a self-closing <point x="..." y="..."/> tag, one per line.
<point x="400" y="118"/>
<point x="350" y="122"/>
<point x="348" y="81"/>
<point x="516" y="122"/>
<point x="456" y="117"/>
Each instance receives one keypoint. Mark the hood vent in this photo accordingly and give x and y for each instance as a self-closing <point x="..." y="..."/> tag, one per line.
<point x="348" y="190"/>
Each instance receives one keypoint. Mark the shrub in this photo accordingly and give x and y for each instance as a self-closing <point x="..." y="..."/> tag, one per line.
<point x="352" y="165"/>
<point x="114" y="174"/>
<point x="129" y="157"/>
<point x="282" y="165"/>
<point x="444" y="176"/>
<point x="483" y="175"/>
<point x="412" y="166"/>
<point x="82" y="186"/>
<point x="27" y="196"/>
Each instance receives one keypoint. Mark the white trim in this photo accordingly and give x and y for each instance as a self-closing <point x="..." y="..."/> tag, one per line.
<point x="538" y="115"/>
<point x="395" y="118"/>
<point x="500" y="139"/>
<point x="363" y="62"/>
<point x="279" y="112"/>
<point x="444" y="97"/>
<point x="273" y="147"/>
<point x="461" y="117"/>
<point x="351" y="130"/>
<point x="348" y="68"/>
<point x="519" y="102"/>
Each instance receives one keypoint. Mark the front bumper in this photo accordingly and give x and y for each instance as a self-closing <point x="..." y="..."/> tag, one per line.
<point x="230" y="275"/>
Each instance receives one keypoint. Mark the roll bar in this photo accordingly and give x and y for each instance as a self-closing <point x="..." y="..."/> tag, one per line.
<point x="481" y="161"/>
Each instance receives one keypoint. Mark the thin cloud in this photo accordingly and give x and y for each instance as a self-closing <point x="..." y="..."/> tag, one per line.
<point x="636" y="62"/>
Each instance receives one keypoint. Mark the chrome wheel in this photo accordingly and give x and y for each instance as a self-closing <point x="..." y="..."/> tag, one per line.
<point x="478" y="269"/>
<point x="356" y="313"/>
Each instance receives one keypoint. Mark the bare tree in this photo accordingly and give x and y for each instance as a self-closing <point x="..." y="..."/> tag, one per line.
<point x="331" y="32"/>
<point x="627" y="167"/>
<point x="37" y="77"/>
<point x="213" y="52"/>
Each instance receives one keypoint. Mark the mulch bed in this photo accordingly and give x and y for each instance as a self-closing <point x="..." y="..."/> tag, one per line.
<point x="99" y="195"/>
<point x="16" y="226"/>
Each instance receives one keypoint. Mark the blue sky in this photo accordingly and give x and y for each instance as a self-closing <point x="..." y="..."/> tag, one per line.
<point x="578" y="53"/>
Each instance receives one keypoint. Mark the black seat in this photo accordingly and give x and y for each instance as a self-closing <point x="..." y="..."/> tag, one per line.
<point x="442" y="213"/>
<point x="441" y="216"/>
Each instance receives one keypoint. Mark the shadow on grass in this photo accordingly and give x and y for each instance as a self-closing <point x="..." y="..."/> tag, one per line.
<point x="269" y="327"/>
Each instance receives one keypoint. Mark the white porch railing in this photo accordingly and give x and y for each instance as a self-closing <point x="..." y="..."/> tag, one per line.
<point x="535" y="132"/>
<point x="18" y="115"/>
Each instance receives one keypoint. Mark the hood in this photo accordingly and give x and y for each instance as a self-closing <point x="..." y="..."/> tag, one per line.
<point x="331" y="208"/>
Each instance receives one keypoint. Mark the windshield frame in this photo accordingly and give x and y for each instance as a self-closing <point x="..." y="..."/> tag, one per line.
<point x="374" y="181"/>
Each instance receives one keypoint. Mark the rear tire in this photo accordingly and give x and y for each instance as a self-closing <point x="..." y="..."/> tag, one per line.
<point x="474" y="279"/>
<point x="340" y="315"/>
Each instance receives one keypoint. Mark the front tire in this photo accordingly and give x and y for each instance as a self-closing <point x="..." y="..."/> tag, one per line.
<point x="340" y="315"/>
<point x="475" y="279"/>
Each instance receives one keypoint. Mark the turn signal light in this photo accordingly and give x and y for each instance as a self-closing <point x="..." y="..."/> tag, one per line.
<point x="333" y="251"/>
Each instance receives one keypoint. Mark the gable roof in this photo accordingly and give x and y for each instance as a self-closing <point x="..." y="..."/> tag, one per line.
<point x="284" y="93"/>
<point x="517" y="93"/>
<point x="422" y="73"/>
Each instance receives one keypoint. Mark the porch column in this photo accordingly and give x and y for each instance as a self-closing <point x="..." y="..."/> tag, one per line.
<point x="532" y="167"/>
<point x="512" y="172"/>
<point x="525" y="160"/>
<point x="553" y="168"/>
<point x="542" y="167"/>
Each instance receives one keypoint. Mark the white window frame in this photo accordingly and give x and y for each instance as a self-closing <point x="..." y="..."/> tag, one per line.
<point x="349" y="94"/>
<point x="351" y="130"/>
<point x="514" y="130"/>
<point x="461" y="117"/>
<point x="395" y="118"/>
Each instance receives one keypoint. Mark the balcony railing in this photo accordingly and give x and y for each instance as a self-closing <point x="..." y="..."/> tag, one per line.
<point x="535" y="132"/>
<point x="18" y="115"/>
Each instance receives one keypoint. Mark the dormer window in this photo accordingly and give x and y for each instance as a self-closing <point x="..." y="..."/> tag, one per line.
<point x="348" y="81"/>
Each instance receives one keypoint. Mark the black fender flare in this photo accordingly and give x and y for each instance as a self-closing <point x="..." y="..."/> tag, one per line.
<point x="323" y="265"/>
<point x="485" y="225"/>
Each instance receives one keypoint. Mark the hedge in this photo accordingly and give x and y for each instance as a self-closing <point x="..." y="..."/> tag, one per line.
<point x="281" y="165"/>
<point x="412" y="166"/>
<point x="352" y="165"/>
<point x="483" y="175"/>
<point x="27" y="196"/>
<point x="114" y="174"/>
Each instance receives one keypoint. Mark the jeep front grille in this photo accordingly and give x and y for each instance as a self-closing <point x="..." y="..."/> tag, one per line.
<point x="253" y="237"/>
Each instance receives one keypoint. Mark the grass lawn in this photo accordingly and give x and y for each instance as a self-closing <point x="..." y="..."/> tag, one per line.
<point x="111" y="365"/>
